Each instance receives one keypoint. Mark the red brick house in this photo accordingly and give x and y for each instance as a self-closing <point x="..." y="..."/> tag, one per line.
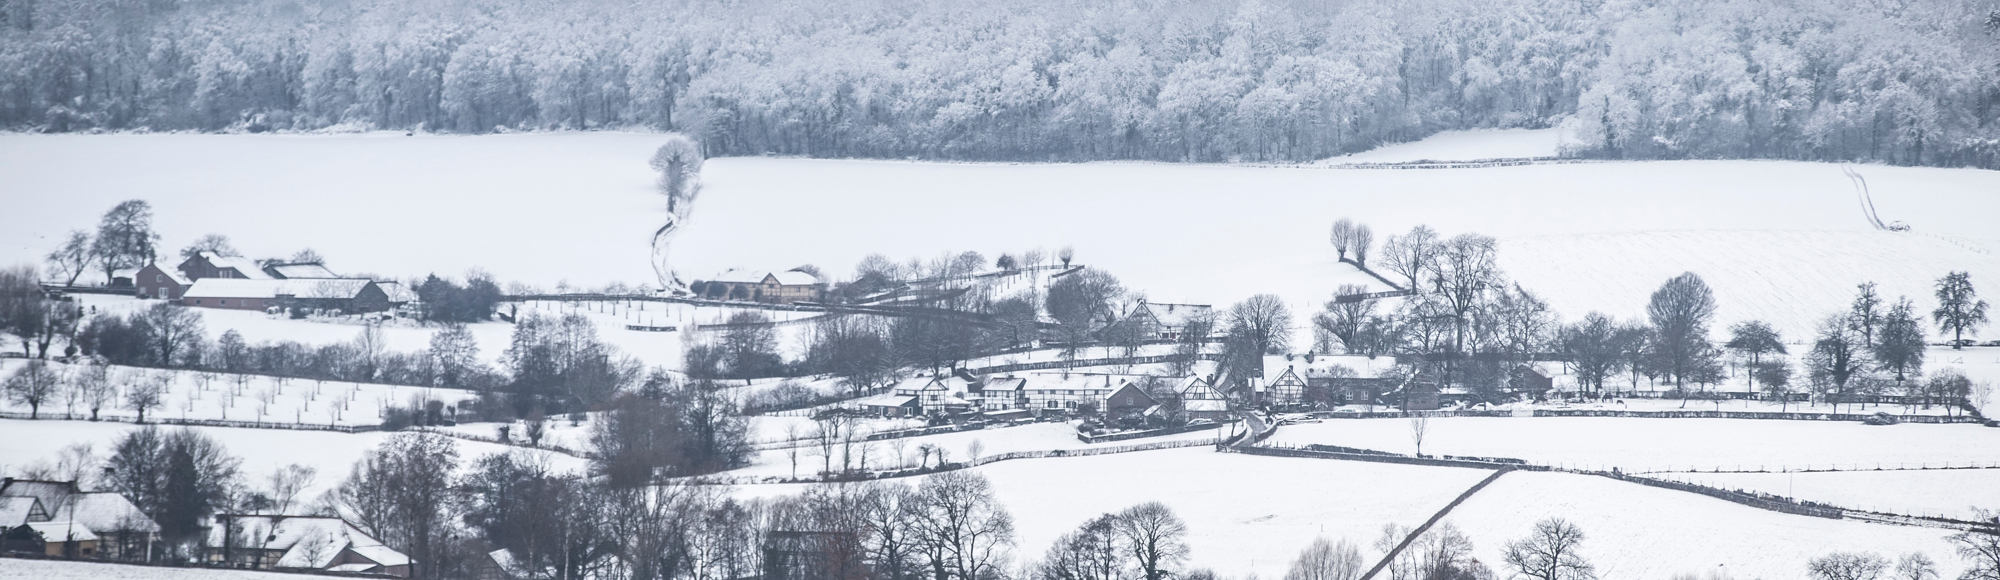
<point x="159" y="283"/>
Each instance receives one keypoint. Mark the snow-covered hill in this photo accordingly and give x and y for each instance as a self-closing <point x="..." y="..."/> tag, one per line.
<point x="1779" y="240"/>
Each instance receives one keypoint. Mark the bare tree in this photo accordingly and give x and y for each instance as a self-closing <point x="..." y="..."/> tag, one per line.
<point x="1154" y="537"/>
<point x="72" y="257"/>
<point x="1342" y="237"/>
<point x="1899" y="345"/>
<point x="1550" y="553"/>
<point x="1364" y="238"/>
<point x="963" y="530"/>
<point x="144" y="394"/>
<point x="98" y="391"/>
<point x="177" y="333"/>
<point x="1593" y="349"/>
<point x="1865" y="314"/>
<point x="1343" y="321"/>
<point x="792" y="447"/>
<point x="1915" y="566"/>
<point x="1409" y="255"/>
<point x="1259" y="325"/>
<point x="1419" y="426"/>
<point x="216" y="243"/>
<point x="34" y="384"/>
<point x="1325" y="560"/>
<point x="1847" y="566"/>
<point x="1980" y="549"/>
<point x="1091" y="552"/>
<point x="285" y="485"/>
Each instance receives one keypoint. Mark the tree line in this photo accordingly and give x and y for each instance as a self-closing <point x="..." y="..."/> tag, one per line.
<point x="1178" y="80"/>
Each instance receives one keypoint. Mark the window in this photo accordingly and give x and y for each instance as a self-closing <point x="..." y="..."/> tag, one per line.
<point x="163" y="292"/>
<point x="159" y="277"/>
<point x="225" y="302"/>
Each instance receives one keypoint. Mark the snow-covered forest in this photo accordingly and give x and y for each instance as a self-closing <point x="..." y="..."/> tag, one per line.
<point x="1179" y="80"/>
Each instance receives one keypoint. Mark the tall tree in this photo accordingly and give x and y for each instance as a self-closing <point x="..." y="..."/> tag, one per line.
<point x="964" y="532"/>
<point x="216" y="243"/>
<point x="1866" y="313"/>
<point x="1680" y="312"/>
<point x="1551" y="552"/>
<point x="125" y="237"/>
<point x="1899" y="346"/>
<point x="1754" y="339"/>
<point x="1837" y="357"/>
<point x="1259" y="325"/>
<point x="34" y="384"/>
<point x="402" y="492"/>
<point x="1342" y="320"/>
<point x="1155" y="538"/>
<point x="1410" y="254"/>
<point x="1959" y="308"/>
<point x="1593" y="350"/>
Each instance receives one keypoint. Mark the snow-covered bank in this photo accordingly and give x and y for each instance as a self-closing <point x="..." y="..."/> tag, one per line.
<point x="68" y="570"/>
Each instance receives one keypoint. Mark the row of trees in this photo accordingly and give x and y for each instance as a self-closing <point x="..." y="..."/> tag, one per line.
<point x="1203" y="80"/>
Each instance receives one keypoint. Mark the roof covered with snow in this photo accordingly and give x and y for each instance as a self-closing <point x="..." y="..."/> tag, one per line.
<point x="53" y="494"/>
<point x="106" y="511"/>
<point x="1005" y="384"/>
<point x="1169" y="314"/>
<point x="305" y="270"/>
<point x="338" y="288"/>
<point x="787" y="278"/>
<point x="15" y="511"/>
<point x="398" y="293"/>
<point x="245" y="266"/>
<point x="307" y="541"/>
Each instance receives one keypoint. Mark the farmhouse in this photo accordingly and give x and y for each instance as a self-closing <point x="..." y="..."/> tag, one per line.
<point x="212" y="265"/>
<point x="1003" y="394"/>
<point x="937" y="395"/>
<point x="59" y="519"/>
<point x="758" y="286"/>
<point x="1164" y="321"/>
<point x="1322" y="380"/>
<point x="344" y="294"/>
<point x="271" y="542"/>
<point x="1200" y="400"/>
<point x="153" y="281"/>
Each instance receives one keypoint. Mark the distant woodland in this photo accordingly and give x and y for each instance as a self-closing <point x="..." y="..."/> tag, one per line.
<point x="1903" y="82"/>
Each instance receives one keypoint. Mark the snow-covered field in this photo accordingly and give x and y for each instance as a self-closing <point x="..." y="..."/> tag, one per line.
<point x="333" y="454"/>
<point x="883" y="454"/>
<point x="1641" y="445"/>
<point x="1467" y="146"/>
<point x="1785" y="241"/>
<point x="65" y="570"/>
<point x="1634" y="531"/>
<point x="1245" y="514"/>
<point x="219" y="396"/>
<point x="1953" y="493"/>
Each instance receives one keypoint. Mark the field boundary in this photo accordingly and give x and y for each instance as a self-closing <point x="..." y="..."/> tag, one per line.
<point x="350" y="429"/>
<point x="1390" y="557"/>
<point x="913" y="472"/>
<point x="1677" y="414"/>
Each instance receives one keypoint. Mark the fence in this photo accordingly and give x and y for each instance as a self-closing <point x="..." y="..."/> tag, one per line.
<point x="1121" y="436"/>
<point x="1092" y="362"/>
<point x="496" y="440"/>
<point x="912" y="472"/>
<point x="197" y="422"/>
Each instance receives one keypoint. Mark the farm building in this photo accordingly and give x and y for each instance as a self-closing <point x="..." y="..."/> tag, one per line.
<point x="1200" y="400"/>
<point x="268" y="542"/>
<point x="91" y="524"/>
<point x="758" y="286"/>
<point x="159" y="283"/>
<point x="349" y="295"/>
<point x="1164" y="321"/>
<point x="1322" y="380"/>
<point x="298" y="270"/>
<point x="1003" y="394"/>
<point x="212" y="265"/>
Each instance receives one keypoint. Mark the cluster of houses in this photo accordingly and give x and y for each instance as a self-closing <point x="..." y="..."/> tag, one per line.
<point x="1298" y="381"/>
<point x="58" y="519"/>
<point x="211" y="280"/>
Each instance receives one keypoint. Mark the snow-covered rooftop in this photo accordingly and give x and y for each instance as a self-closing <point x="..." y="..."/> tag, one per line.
<point x="787" y="278"/>
<point x="245" y="266"/>
<point x="106" y="511"/>
<point x="307" y="541"/>
<point x="63" y="531"/>
<point x="15" y="511"/>
<point x="305" y="270"/>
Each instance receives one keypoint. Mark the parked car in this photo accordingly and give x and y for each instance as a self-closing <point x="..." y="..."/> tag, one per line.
<point x="1881" y="418"/>
<point x="1201" y="422"/>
